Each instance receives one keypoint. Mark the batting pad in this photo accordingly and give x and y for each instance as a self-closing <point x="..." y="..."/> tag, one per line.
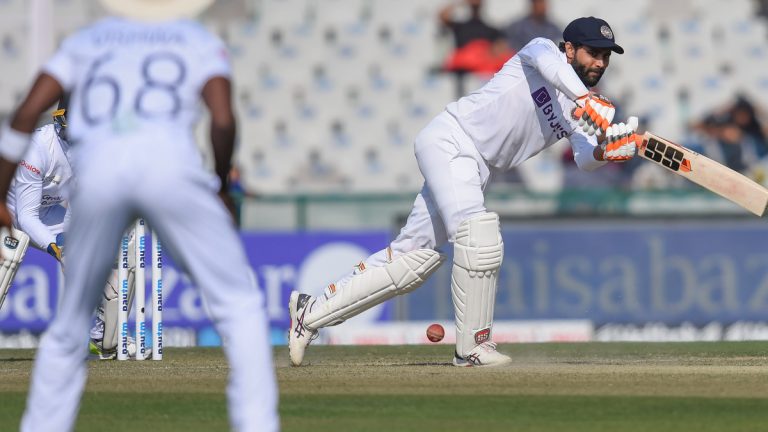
<point x="13" y="249"/>
<point x="108" y="310"/>
<point x="478" y="252"/>
<point x="110" y="304"/>
<point x="375" y="285"/>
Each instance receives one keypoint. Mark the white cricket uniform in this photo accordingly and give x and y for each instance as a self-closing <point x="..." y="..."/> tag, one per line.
<point x="39" y="192"/>
<point x="135" y="96"/>
<point x="525" y="108"/>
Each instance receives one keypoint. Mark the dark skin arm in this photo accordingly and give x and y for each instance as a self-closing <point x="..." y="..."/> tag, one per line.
<point x="446" y="13"/>
<point x="217" y="95"/>
<point x="43" y="94"/>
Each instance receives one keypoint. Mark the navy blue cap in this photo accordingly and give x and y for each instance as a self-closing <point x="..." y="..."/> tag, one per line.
<point x="592" y="32"/>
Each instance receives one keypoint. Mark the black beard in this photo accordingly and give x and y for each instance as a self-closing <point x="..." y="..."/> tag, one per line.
<point x="582" y="72"/>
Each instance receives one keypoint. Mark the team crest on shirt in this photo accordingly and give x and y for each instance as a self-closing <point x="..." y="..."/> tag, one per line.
<point x="606" y="31"/>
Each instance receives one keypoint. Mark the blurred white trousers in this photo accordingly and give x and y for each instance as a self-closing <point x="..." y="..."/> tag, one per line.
<point x="118" y="182"/>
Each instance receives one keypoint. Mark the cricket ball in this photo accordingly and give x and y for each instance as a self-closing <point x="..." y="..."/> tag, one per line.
<point x="435" y="333"/>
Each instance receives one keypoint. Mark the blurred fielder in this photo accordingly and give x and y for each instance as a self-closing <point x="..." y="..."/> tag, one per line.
<point x="38" y="202"/>
<point x="539" y="97"/>
<point x="136" y="82"/>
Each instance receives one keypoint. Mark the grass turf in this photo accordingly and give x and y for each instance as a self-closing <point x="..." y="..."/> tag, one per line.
<point x="549" y="387"/>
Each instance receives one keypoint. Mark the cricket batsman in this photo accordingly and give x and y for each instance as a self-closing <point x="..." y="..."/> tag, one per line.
<point x="540" y="96"/>
<point x="138" y="80"/>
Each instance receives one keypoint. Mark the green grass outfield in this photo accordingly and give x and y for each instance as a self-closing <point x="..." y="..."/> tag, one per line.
<point x="549" y="387"/>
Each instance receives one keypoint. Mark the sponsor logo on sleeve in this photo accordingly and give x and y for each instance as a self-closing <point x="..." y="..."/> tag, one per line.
<point x="30" y="167"/>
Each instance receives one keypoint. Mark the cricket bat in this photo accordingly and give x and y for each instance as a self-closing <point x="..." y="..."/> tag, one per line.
<point x="704" y="172"/>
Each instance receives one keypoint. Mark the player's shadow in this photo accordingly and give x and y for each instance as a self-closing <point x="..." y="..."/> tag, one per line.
<point x="17" y="359"/>
<point x="423" y="364"/>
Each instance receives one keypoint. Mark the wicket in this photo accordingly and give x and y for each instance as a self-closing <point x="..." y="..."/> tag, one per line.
<point x="140" y="234"/>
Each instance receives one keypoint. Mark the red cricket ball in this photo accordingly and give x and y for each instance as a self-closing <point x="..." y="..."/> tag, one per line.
<point x="435" y="333"/>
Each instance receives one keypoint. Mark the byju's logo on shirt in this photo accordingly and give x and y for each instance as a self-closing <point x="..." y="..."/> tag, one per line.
<point x="541" y="97"/>
<point x="543" y="100"/>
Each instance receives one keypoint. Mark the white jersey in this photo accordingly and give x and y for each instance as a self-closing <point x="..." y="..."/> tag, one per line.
<point x="525" y="108"/>
<point x="42" y="181"/>
<point x="136" y="89"/>
<point x="150" y="91"/>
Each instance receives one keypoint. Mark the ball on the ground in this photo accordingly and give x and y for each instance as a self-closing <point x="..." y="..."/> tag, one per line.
<point x="435" y="333"/>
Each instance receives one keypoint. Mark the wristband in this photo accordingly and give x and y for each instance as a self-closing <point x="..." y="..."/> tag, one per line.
<point x="13" y="144"/>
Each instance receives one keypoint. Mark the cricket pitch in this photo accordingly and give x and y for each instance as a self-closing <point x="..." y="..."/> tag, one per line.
<point x="549" y="387"/>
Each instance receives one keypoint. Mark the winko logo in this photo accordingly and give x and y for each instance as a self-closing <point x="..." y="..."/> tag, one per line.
<point x="544" y="101"/>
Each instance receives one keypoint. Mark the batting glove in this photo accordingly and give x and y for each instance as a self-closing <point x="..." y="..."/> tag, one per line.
<point x="594" y="113"/>
<point x="620" y="141"/>
<point x="55" y="251"/>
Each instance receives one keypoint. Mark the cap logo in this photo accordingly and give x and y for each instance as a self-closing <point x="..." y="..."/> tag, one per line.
<point x="606" y="31"/>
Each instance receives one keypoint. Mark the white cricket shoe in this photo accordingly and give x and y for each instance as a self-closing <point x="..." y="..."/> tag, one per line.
<point x="299" y="336"/>
<point x="484" y="355"/>
<point x="97" y="351"/>
<point x="133" y="350"/>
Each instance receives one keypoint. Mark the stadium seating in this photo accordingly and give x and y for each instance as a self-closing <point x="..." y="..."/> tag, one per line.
<point x="347" y="84"/>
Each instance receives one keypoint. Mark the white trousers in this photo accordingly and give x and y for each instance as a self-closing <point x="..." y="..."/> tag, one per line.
<point x="455" y="179"/>
<point x="116" y="184"/>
